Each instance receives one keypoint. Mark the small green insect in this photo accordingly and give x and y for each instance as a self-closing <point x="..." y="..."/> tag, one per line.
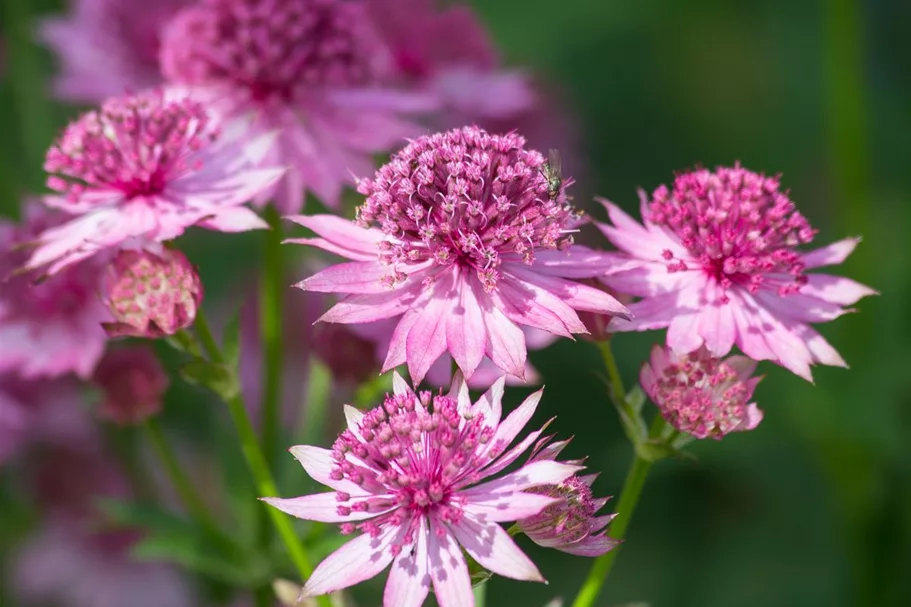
<point x="553" y="173"/>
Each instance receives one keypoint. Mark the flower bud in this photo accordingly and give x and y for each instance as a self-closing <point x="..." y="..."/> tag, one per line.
<point x="151" y="294"/>
<point x="133" y="383"/>
<point x="702" y="395"/>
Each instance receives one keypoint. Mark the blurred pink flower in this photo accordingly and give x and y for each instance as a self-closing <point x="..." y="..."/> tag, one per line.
<point x="702" y="395"/>
<point x="52" y="328"/>
<point x="13" y="423"/>
<point x="142" y="170"/>
<point x="315" y="71"/>
<point x="447" y="51"/>
<point x="151" y="294"/>
<point x="107" y="47"/>
<point x="133" y="383"/>
<point x="406" y="475"/>
<point x="569" y="524"/>
<point x="716" y="263"/>
<point x="474" y="241"/>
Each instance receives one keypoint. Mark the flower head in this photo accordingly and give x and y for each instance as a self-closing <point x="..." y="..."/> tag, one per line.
<point x="717" y="262"/>
<point x="107" y="47"/>
<point x="413" y="477"/>
<point x="702" y="395"/>
<point x="133" y="383"/>
<point x="50" y="328"/>
<point x="472" y="241"/>
<point x="310" y="69"/>
<point x="143" y="169"/>
<point x="151" y="294"/>
<point x="569" y="524"/>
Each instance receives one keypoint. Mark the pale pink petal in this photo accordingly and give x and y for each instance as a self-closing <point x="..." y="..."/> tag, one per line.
<point x="513" y="424"/>
<point x="426" y="340"/>
<point x="534" y="306"/>
<point x="682" y="334"/>
<point x="835" y="289"/>
<point x="398" y="343"/>
<point x="318" y="463"/>
<point x="506" y="507"/>
<point x="491" y="546"/>
<point x="505" y="343"/>
<point x="579" y="296"/>
<point x="536" y="473"/>
<point x="360" y="308"/>
<point x="360" y="559"/>
<point x="591" y="546"/>
<point x="321" y="507"/>
<point x="353" y="417"/>
<point x="409" y="579"/>
<point x="576" y="262"/>
<point x="465" y="335"/>
<point x="451" y="582"/>
<point x="238" y="219"/>
<point x="364" y="277"/>
<point x="630" y="236"/>
<point x="830" y="255"/>
<point x="399" y="385"/>
<point x="822" y="350"/>
<point x="459" y="392"/>
<point x="357" y="243"/>
<point x="490" y="405"/>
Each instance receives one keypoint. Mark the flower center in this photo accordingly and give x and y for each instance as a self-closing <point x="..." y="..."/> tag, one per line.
<point x="276" y="49"/>
<point x="135" y="145"/>
<point x="737" y="226"/>
<point x="702" y="395"/>
<point x="469" y="198"/>
<point x="414" y="451"/>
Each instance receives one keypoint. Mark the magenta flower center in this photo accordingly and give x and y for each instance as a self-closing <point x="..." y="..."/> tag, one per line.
<point x="276" y="49"/>
<point x="702" y="396"/>
<point x="737" y="226"/>
<point x="469" y="198"/>
<point x="410" y="456"/>
<point x="135" y="145"/>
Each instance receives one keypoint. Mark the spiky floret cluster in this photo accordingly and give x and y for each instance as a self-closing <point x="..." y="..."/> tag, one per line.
<point x="151" y="294"/>
<point x="702" y="395"/>
<point x="277" y="49"/>
<point x="136" y="145"/>
<point x="466" y="197"/>
<point x="737" y="225"/>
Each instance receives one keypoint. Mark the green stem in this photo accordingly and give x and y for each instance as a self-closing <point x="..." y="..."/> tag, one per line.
<point x="629" y="497"/>
<point x="480" y="594"/>
<point x="184" y="486"/>
<point x="613" y="373"/>
<point x="262" y="477"/>
<point x="632" y="423"/>
<point x="271" y="308"/>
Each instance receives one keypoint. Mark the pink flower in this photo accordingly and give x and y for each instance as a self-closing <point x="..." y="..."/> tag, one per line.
<point x="569" y="524"/>
<point x="52" y="328"/>
<point x="716" y="262"/>
<point x="473" y="242"/>
<point x="107" y="47"/>
<point x="448" y="52"/>
<point x="413" y="476"/>
<point x="702" y="395"/>
<point x="13" y="423"/>
<point x="151" y="294"/>
<point x="133" y="383"/>
<point x="143" y="169"/>
<point x="312" y="70"/>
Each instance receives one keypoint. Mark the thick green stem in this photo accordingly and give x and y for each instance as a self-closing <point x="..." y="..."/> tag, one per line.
<point x="629" y="497"/>
<point x="271" y="309"/>
<point x="259" y="468"/>
<point x="480" y="594"/>
<point x="184" y="486"/>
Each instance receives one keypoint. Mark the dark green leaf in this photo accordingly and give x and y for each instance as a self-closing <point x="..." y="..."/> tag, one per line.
<point x="214" y="376"/>
<point x="231" y="344"/>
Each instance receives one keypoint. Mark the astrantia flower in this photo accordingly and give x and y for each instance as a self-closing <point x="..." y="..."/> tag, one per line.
<point x="702" y="395"/>
<point x="717" y="263"/>
<point x="52" y="328"/>
<point x="570" y="524"/>
<point x="151" y="294"/>
<point x="412" y="475"/>
<point x="133" y="383"/>
<point x="107" y="47"/>
<point x="143" y="169"/>
<point x="313" y="70"/>
<point x="473" y="242"/>
<point x="448" y="53"/>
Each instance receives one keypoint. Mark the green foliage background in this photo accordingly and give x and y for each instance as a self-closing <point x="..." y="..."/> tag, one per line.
<point x="813" y="508"/>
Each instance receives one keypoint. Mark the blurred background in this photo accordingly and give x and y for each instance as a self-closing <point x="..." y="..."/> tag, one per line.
<point x="812" y="508"/>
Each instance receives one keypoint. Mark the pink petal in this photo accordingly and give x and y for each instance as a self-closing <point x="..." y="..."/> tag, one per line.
<point x="409" y="579"/>
<point x="490" y="405"/>
<point x="533" y="306"/>
<point x="458" y="391"/>
<point x="318" y="463"/>
<point x="505" y="343"/>
<point x="465" y="336"/>
<point x="365" y="277"/>
<point x="451" y="582"/>
<point x="353" y="417"/>
<point x="576" y="262"/>
<point x="360" y="308"/>
<point x="349" y="239"/>
<point x="491" y="546"/>
<point x="578" y="296"/>
<point x="835" y="289"/>
<point x="830" y="255"/>
<point x="399" y="385"/>
<point x="237" y="219"/>
<point x="789" y="350"/>
<point x="398" y="343"/>
<point x="633" y="238"/>
<point x="360" y="559"/>
<point x="591" y="546"/>
<point x="512" y="455"/>
<point x="321" y="507"/>
<point x="513" y="424"/>
<point x="543" y="472"/>
<point x="682" y="335"/>
<point x="426" y="340"/>
<point x="506" y="507"/>
<point x="822" y="351"/>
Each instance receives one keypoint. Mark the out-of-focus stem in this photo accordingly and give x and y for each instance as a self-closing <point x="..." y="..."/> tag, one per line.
<point x="271" y="310"/>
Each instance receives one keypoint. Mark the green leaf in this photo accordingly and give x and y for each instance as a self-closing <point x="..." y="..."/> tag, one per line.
<point x="636" y="399"/>
<point x="653" y="450"/>
<point x="183" y="341"/>
<point x="215" y="376"/>
<point x="230" y="347"/>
